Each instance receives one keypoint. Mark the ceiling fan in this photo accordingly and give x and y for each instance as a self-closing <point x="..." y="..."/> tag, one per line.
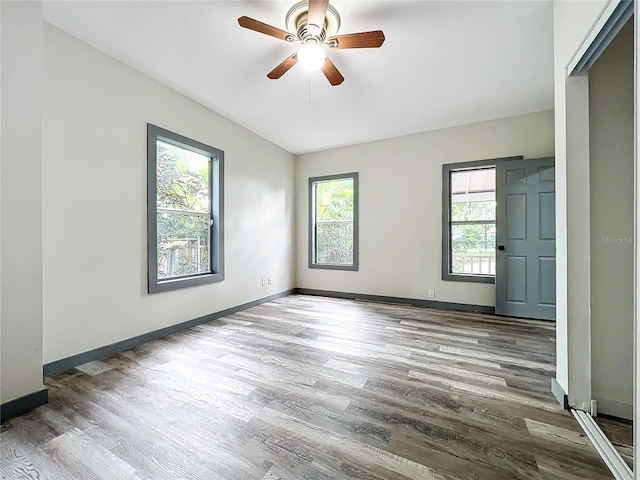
<point x="315" y="24"/>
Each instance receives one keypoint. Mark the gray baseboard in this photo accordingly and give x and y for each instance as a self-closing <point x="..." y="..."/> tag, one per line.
<point x="21" y="405"/>
<point x="560" y="394"/>
<point x="407" y="301"/>
<point x="101" y="352"/>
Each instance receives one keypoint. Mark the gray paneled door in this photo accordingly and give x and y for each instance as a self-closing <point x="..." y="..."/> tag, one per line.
<point x="526" y="238"/>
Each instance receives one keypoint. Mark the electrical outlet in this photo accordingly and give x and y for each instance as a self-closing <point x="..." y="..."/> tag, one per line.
<point x="264" y="281"/>
<point x="269" y="280"/>
<point x="432" y="294"/>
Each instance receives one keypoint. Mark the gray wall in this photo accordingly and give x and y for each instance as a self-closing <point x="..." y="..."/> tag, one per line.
<point x="612" y="203"/>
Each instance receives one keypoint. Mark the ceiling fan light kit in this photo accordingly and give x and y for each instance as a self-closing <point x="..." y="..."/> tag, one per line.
<point x="316" y="24"/>
<point x="311" y="56"/>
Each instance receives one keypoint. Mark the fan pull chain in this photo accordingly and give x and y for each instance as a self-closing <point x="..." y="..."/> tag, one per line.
<point x="312" y="103"/>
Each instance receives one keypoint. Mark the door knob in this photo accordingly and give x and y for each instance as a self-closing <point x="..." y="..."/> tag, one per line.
<point x="501" y="247"/>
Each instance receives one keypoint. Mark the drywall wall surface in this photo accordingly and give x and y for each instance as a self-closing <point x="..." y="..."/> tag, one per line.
<point x="21" y="200"/>
<point x="612" y="205"/>
<point x="400" y="182"/>
<point x="95" y="115"/>
<point x="572" y="20"/>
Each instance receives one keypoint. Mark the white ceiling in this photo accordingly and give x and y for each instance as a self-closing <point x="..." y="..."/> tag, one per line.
<point x="444" y="63"/>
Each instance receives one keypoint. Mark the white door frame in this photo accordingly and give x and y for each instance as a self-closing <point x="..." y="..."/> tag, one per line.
<point x="613" y="17"/>
<point x="636" y="276"/>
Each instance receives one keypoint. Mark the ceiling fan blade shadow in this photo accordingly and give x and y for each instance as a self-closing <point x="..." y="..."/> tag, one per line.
<point x="283" y="67"/>
<point x="373" y="39"/>
<point x="261" y="27"/>
<point x="331" y="72"/>
<point x="317" y="13"/>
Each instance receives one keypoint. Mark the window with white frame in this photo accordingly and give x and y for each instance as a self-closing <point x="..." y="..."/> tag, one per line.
<point x="184" y="218"/>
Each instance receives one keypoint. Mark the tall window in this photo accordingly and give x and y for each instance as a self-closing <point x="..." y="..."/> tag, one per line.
<point x="333" y="222"/>
<point x="184" y="219"/>
<point x="469" y="225"/>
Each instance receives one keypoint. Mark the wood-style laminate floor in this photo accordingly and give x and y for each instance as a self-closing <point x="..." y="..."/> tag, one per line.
<point x="313" y="388"/>
<point x="620" y="434"/>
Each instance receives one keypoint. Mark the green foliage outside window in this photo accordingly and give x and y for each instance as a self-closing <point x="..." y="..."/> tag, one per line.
<point x="468" y="211"/>
<point x="183" y="211"/>
<point x="473" y="244"/>
<point x="334" y="200"/>
<point x="334" y="222"/>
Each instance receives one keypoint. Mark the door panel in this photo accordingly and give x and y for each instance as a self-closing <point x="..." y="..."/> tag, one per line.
<point x="546" y="174"/>
<point x="525" y="227"/>
<point x="517" y="175"/>
<point x="547" y="214"/>
<point x="547" y="280"/>
<point x="517" y="268"/>
<point x="516" y="217"/>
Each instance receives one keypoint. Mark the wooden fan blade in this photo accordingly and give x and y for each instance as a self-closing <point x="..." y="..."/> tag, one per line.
<point x="372" y="39"/>
<point x="283" y="67"/>
<point x="258" y="26"/>
<point x="317" y="12"/>
<point x="331" y="72"/>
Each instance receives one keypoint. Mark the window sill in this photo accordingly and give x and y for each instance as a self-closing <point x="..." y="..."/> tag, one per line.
<point x="453" y="277"/>
<point x="328" y="266"/>
<point x="184" y="282"/>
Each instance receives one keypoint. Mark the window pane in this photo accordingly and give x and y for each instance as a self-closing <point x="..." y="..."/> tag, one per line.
<point x="183" y="244"/>
<point x="473" y="195"/>
<point x="473" y="249"/>
<point x="472" y="210"/>
<point x="182" y="179"/>
<point x="473" y="181"/>
<point x="334" y="221"/>
<point x="334" y="242"/>
<point x="334" y="200"/>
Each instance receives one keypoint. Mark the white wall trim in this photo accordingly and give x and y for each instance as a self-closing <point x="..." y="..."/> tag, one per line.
<point x="636" y="279"/>
<point x="607" y="451"/>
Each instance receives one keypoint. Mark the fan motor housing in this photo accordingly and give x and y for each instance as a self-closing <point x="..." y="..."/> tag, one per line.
<point x="296" y="21"/>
